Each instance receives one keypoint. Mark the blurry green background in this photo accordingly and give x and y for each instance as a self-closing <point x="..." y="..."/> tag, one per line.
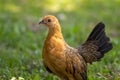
<point x="21" y="38"/>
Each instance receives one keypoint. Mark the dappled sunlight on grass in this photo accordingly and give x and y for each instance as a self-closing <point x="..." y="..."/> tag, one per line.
<point x="12" y="8"/>
<point x="21" y="38"/>
<point x="55" y="6"/>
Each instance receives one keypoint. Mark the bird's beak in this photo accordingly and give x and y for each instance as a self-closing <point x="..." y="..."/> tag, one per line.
<point x="42" y="22"/>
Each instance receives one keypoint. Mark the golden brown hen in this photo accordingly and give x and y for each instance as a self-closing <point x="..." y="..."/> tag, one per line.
<point x="67" y="62"/>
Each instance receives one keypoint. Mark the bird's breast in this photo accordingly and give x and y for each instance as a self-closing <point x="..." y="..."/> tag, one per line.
<point x="54" y="53"/>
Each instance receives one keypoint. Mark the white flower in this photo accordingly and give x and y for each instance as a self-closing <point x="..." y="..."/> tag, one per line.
<point x="21" y="78"/>
<point x="13" y="78"/>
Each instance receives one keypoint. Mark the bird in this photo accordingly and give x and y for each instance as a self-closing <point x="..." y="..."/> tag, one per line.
<point x="67" y="62"/>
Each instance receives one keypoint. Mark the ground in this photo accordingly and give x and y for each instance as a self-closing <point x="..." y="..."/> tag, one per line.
<point x="21" y="38"/>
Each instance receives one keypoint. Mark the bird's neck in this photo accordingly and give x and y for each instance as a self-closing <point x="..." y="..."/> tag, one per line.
<point x="55" y="32"/>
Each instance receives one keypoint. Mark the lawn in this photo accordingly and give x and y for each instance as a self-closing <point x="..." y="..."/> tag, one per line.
<point x="21" y="38"/>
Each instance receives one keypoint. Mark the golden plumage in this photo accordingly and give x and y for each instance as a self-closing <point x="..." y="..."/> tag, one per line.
<point x="67" y="62"/>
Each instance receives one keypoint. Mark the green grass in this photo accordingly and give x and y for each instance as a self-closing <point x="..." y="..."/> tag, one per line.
<point x="21" y="38"/>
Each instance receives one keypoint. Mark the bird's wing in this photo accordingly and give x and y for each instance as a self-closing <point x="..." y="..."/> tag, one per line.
<point x="89" y="52"/>
<point x="96" y="45"/>
<point x="75" y="65"/>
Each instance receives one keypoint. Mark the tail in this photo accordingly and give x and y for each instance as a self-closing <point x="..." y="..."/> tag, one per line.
<point x="97" y="44"/>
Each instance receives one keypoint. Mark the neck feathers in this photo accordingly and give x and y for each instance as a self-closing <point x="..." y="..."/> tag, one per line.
<point x="55" y="31"/>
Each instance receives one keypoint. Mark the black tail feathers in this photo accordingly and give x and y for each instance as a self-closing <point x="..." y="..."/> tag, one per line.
<point x="103" y="42"/>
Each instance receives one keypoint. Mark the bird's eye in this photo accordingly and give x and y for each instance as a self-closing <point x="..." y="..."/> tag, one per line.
<point x="49" y="20"/>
